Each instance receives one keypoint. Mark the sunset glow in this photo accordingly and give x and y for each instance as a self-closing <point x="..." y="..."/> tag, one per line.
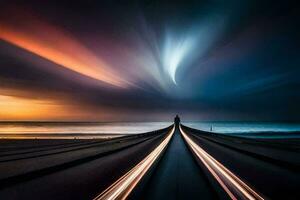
<point x="21" y="108"/>
<point x="26" y="109"/>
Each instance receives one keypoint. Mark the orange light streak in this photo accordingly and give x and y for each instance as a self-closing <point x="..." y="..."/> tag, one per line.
<point x="124" y="185"/>
<point x="228" y="181"/>
<point x="55" y="45"/>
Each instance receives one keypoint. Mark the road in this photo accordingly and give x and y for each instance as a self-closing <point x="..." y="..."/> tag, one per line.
<point x="177" y="175"/>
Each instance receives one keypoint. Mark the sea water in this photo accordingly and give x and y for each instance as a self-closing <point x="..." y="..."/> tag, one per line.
<point x="81" y="127"/>
<point x="249" y="129"/>
<point x="253" y="129"/>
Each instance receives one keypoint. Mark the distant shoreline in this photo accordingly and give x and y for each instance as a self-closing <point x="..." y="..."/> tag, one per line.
<point x="61" y="136"/>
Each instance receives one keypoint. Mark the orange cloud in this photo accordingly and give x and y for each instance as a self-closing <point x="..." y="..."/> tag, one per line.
<point x="57" y="46"/>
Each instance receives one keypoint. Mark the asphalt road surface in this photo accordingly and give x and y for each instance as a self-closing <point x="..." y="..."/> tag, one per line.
<point x="177" y="175"/>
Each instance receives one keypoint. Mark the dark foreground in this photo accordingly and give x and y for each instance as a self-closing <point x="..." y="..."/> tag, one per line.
<point x="69" y="169"/>
<point x="270" y="166"/>
<point x="82" y="169"/>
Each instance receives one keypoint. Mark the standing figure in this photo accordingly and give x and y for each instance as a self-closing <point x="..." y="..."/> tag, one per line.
<point x="177" y="121"/>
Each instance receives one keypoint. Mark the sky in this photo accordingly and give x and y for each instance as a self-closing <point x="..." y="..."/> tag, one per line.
<point x="220" y="60"/>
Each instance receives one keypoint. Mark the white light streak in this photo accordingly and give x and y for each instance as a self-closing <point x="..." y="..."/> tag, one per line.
<point x="233" y="186"/>
<point x="124" y="185"/>
<point x="174" y="53"/>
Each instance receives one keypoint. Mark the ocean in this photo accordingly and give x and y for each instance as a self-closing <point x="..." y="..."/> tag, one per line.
<point x="78" y="130"/>
<point x="250" y="129"/>
<point x="110" y="129"/>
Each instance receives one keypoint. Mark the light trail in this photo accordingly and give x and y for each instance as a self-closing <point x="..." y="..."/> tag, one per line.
<point x="233" y="186"/>
<point x="124" y="185"/>
<point x="56" y="45"/>
<point x="174" y="52"/>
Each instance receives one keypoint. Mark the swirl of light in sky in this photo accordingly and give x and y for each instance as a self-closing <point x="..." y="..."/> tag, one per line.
<point x="175" y="52"/>
<point x="148" y="60"/>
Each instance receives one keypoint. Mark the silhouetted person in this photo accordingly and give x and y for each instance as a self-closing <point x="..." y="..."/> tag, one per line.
<point x="177" y="121"/>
